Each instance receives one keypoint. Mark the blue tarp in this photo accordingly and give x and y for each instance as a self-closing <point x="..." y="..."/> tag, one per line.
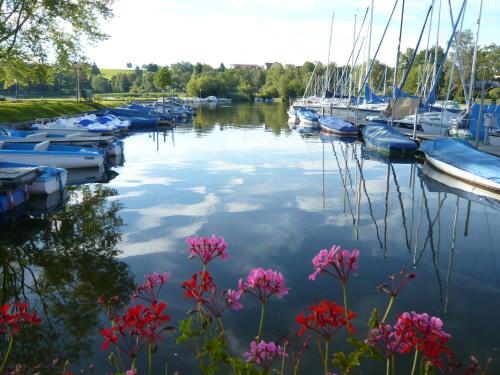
<point x="372" y="98"/>
<point x="462" y="155"/>
<point x="387" y="138"/>
<point x="491" y="109"/>
<point x="336" y="125"/>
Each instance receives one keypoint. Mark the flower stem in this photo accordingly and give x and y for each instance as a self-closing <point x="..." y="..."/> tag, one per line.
<point x="283" y="360"/>
<point x="344" y="290"/>
<point x="414" y="362"/>
<point x="150" y="358"/>
<point x="221" y="326"/>
<point x="325" y="365"/>
<point x="9" y="349"/>
<point x="387" y="360"/>
<point x="388" y="309"/>
<point x="261" y="322"/>
<point x="296" y="367"/>
<point x="393" y="364"/>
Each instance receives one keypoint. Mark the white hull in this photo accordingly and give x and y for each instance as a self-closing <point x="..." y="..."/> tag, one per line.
<point x="48" y="187"/>
<point x="61" y="161"/>
<point x="466" y="176"/>
<point x="66" y="131"/>
<point x="458" y="184"/>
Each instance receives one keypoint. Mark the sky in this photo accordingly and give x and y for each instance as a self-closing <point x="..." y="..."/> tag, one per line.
<point x="259" y="31"/>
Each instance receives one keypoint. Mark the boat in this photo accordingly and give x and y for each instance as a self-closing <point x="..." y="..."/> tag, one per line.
<point x="333" y="124"/>
<point x="39" y="180"/>
<point x="292" y="115"/>
<point x="108" y="143"/>
<point x="330" y="138"/>
<point x="65" y="126"/>
<point x="308" y="118"/>
<point x="461" y="160"/>
<point x="137" y="118"/>
<point x="437" y="181"/>
<point x="388" y="141"/>
<point x="44" y="153"/>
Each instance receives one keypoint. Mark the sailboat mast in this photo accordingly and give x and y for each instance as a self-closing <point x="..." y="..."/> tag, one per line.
<point x="369" y="44"/>
<point x="394" y="84"/>
<point x="352" y="63"/>
<point x="327" y="75"/>
<point x="474" y="58"/>
<point x="434" y="70"/>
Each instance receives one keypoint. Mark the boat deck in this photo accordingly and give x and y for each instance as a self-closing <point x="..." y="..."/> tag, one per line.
<point x="62" y="140"/>
<point x="15" y="176"/>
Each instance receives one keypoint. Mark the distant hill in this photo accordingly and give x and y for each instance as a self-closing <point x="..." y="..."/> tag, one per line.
<point x="108" y="73"/>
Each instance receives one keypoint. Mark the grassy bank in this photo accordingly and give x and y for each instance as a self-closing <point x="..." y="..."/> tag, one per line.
<point x="26" y="110"/>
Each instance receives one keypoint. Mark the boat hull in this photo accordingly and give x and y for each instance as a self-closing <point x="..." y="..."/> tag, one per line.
<point x="61" y="161"/>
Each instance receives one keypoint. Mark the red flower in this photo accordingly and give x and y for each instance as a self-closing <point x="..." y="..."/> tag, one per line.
<point x="326" y="319"/>
<point x="195" y="291"/>
<point x="13" y="318"/>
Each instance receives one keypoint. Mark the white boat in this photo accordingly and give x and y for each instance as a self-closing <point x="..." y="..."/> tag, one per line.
<point x="461" y="160"/>
<point x="292" y="115"/>
<point x="55" y="156"/>
<point x="39" y="180"/>
<point x="308" y="118"/>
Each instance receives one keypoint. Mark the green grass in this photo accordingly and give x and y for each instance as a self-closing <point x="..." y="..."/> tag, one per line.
<point x="27" y="110"/>
<point x="109" y="73"/>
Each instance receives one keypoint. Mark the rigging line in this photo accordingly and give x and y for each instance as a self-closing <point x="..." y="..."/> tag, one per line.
<point x="386" y="205"/>
<point x="343" y="181"/>
<point x="412" y="185"/>
<point x="452" y="253"/>
<point x="369" y="201"/>
<point x="435" y="259"/>
<point x="346" y="167"/>
<point x="415" y="260"/>
<point x="491" y="244"/>
<point x="429" y="234"/>
<point x="401" y="205"/>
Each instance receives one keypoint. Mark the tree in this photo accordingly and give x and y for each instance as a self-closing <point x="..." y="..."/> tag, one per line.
<point x="222" y="68"/>
<point x="129" y="65"/>
<point x="94" y="70"/>
<point x="153" y="68"/>
<point x="163" y="78"/>
<point x="41" y="28"/>
<point x="120" y="83"/>
<point x="100" y="84"/>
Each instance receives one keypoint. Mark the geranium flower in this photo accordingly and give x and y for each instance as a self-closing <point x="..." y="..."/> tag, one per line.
<point x="386" y="339"/>
<point x="423" y="333"/>
<point x="150" y="290"/>
<point x="207" y="248"/>
<point x="14" y="318"/>
<point x="392" y="290"/>
<point x="326" y="319"/>
<point x="335" y="262"/>
<point x="263" y="284"/>
<point x="196" y="287"/>
<point x="264" y="353"/>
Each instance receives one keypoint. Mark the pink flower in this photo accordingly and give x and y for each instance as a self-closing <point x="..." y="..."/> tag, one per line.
<point x="132" y="371"/>
<point x="263" y="353"/>
<point x="233" y="299"/>
<point x="206" y="249"/>
<point x="392" y="290"/>
<point x="147" y="290"/>
<point x="263" y="284"/>
<point x="386" y="338"/>
<point x="342" y="262"/>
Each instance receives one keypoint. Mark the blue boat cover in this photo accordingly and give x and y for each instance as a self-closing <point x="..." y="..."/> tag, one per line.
<point x="309" y="114"/>
<point x="462" y="155"/>
<point x="476" y="108"/>
<point x="372" y="98"/>
<point x="336" y="124"/>
<point x="386" y="137"/>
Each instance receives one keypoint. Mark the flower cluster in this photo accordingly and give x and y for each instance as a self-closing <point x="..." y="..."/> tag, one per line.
<point x="13" y="318"/>
<point x="207" y="248"/>
<point x="150" y="290"/>
<point x="342" y="262"/>
<point x="413" y="331"/>
<point x="204" y="291"/>
<point x="392" y="290"/>
<point x="138" y="326"/>
<point x="264" y="353"/>
<point x="263" y="284"/>
<point x="326" y="319"/>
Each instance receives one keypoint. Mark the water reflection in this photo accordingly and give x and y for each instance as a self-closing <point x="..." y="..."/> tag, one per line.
<point x="61" y="263"/>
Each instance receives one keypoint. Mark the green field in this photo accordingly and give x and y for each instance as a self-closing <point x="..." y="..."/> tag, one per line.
<point x="27" y="110"/>
<point x="108" y="73"/>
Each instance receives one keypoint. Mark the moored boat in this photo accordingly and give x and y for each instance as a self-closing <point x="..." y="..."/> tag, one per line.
<point x="308" y="118"/>
<point x="333" y="124"/>
<point x="44" y="153"/>
<point x="461" y="160"/>
<point x="38" y="179"/>
<point x="388" y="141"/>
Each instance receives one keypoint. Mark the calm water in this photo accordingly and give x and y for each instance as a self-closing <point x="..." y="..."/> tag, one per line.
<point x="278" y="197"/>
